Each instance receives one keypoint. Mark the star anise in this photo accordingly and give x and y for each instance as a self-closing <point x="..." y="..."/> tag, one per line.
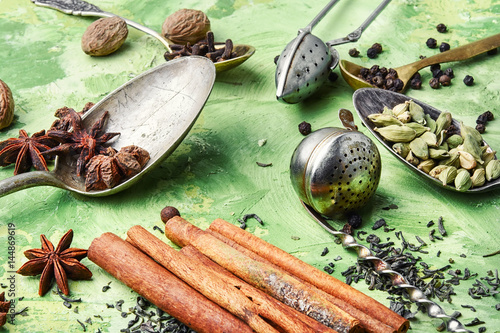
<point x="26" y="151"/>
<point x="64" y="121"/>
<point x="61" y="263"/>
<point x="86" y="143"/>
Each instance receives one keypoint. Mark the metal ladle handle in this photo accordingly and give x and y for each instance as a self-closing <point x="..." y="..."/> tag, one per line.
<point x="356" y="34"/>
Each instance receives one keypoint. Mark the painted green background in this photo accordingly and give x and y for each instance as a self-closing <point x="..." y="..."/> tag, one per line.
<point x="213" y="173"/>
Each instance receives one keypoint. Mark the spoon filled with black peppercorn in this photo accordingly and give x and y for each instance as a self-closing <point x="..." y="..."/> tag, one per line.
<point x="154" y="111"/>
<point x="353" y="73"/>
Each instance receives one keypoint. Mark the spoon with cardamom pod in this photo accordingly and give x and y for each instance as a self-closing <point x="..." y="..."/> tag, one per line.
<point x="82" y="8"/>
<point x="154" y="111"/>
<point x="350" y="71"/>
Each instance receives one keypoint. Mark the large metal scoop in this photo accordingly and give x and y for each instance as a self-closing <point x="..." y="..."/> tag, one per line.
<point x="154" y="111"/>
<point x="306" y="62"/>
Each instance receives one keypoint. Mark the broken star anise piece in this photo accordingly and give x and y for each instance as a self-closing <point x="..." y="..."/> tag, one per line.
<point x="61" y="263"/>
<point x="106" y="171"/>
<point x="86" y="143"/>
<point x="4" y="308"/>
<point x="26" y="151"/>
<point x="64" y="121"/>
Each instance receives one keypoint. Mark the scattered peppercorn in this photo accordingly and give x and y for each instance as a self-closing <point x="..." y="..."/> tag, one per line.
<point x="354" y="52"/>
<point x="489" y="115"/>
<point x="441" y="28"/>
<point x="444" y="47"/>
<point x="437" y="73"/>
<point x="354" y="220"/>
<point x="398" y="84"/>
<point x="468" y="80"/>
<point x="435" y="67"/>
<point x="377" y="47"/>
<point x="416" y="83"/>
<point x="431" y="43"/>
<point x="445" y="80"/>
<point x="481" y="128"/>
<point x="168" y="212"/>
<point x="449" y="72"/>
<point x="305" y="128"/>
<point x="417" y="76"/>
<point x="482" y="119"/>
<point x="434" y="83"/>
<point x="332" y="77"/>
<point x="372" y="53"/>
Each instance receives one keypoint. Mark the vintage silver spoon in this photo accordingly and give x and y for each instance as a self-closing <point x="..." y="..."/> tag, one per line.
<point x="154" y="111"/>
<point x="372" y="100"/>
<point x="83" y="8"/>
<point x="305" y="63"/>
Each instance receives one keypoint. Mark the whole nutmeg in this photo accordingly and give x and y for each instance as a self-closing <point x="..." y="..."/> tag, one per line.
<point x="104" y="36"/>
<point x="6" y="105"/>
<point x="186" y="25"/>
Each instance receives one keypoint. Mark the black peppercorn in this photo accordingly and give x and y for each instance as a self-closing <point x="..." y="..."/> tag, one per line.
<point x="371" y="53"/>
<point x="383" y="71"/>
<point x="398" y="84"/>
<point x="417" y="76"/>
<point x="389" y="83"/>
<point x="489" y="115"/>
<point x="378" y="81"/>
<point x="431" y="43"/>
<point x="354" y="52"/>
<point x="482" y="119"/>
<point x="416" y="83"/>
<point x="452" y="129"/>
<point x="481" y="128"/>
<point x="332" y="77"/>
<point x="374" y="69"/>
<point x="441" y="28"/>
<point x="437" y="73"/>
<point x="354" y="220"/>
<point x="492" y="52"/>
<point x="364" y="71"/>
<point x="449" y="72"/>
<point x="445" y="80"/>
<point x="377" y="47"/>
<point x="444" y="47"/>
<point x="305" y="128"/>
<point x="435" y="67"/>
<point x="434" y="83"/>
<point x="468" y="80"/>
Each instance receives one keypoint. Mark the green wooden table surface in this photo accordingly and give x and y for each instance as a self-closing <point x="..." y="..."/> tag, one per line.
<point x="213" y="173"/>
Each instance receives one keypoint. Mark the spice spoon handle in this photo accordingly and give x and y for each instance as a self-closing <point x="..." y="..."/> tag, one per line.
<point x="27" y="180"/>
<point x="83" y="8"/>
<point x="384" y="268"/>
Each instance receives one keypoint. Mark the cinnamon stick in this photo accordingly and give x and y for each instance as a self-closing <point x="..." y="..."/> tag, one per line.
<point x="370" y="324"/>
<point x="312" y="275"/>
<point x="290" y="320"/>
<point x="225" y="289"/>
<point x="160" y="287"/>
<point x="281" y="286"/>
<point x="200" y="278"/>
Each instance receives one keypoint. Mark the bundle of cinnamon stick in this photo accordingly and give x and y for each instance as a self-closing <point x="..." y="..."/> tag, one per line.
<point x="225" y="279"/>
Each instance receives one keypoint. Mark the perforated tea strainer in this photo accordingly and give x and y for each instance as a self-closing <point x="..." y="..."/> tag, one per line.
<point x="336" y="170"/>
<point x="306" y="62"/>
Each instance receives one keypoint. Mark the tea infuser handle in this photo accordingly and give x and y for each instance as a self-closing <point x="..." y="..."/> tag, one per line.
<point x="383" y="268"/>
<point x="319" y="17"/>
<point x="356" y="34"/>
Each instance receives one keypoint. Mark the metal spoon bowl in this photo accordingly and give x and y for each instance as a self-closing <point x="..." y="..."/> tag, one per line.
<point x="154" y="111"/>
<point x="351" y="70"/>
<point x="369" y="100"/>
<point x="83" y="8"/>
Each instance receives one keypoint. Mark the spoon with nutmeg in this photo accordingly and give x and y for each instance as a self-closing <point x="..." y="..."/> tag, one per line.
<point x="350" y="71"/>
<point x="240" y="52"/>
<point x="154" y="111"/>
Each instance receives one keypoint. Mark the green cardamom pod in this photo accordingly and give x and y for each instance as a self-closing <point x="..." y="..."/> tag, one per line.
<point x="400" y="108"/>
<point x="448" y="175"/>
<point x="419" y="148"/>
<point x="431" y="123"/>
<point x="471" y="146"/>
<point x="404" y="117"/>
<point x="454" y="141"/>
<point x="467" y="161"/>
<point x="492" y="170"/>
<point x="437" y="170"/>
<point x="382" y="120"/>
<point x="444" y="146"/>
<point x="395" y="133"/>
<point x="417" y="112"/>
<point x="478" y="177"/>
<point x="463" y="181"/>
<point x="430" y="138"/>
<point x="401" y="148"/>
<point x="387" y="111"/>
<point x="467" y="130"/>
<point x="441" y="136"/>
<point x="452" y="159"/>
<point x="488" y="156"/>
<point x="438" y="154"/>
<point x="412" y="159"/>
<point x="419" y="128"/>
<point x="443" y="122"/>
<point x="427" y="165"/>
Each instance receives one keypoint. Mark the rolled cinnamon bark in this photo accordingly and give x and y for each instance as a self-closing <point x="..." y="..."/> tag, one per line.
<point x="281" y="286"/>
<point x="160" y="287"/>
<point x="312" y="275"/>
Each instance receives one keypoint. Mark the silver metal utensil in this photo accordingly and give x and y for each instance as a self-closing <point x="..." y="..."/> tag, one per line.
<point x="335" y="170"/>
<point x="383" y="268"/>
<point x="306" y="62"/>
<point x="154" y="111"/>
